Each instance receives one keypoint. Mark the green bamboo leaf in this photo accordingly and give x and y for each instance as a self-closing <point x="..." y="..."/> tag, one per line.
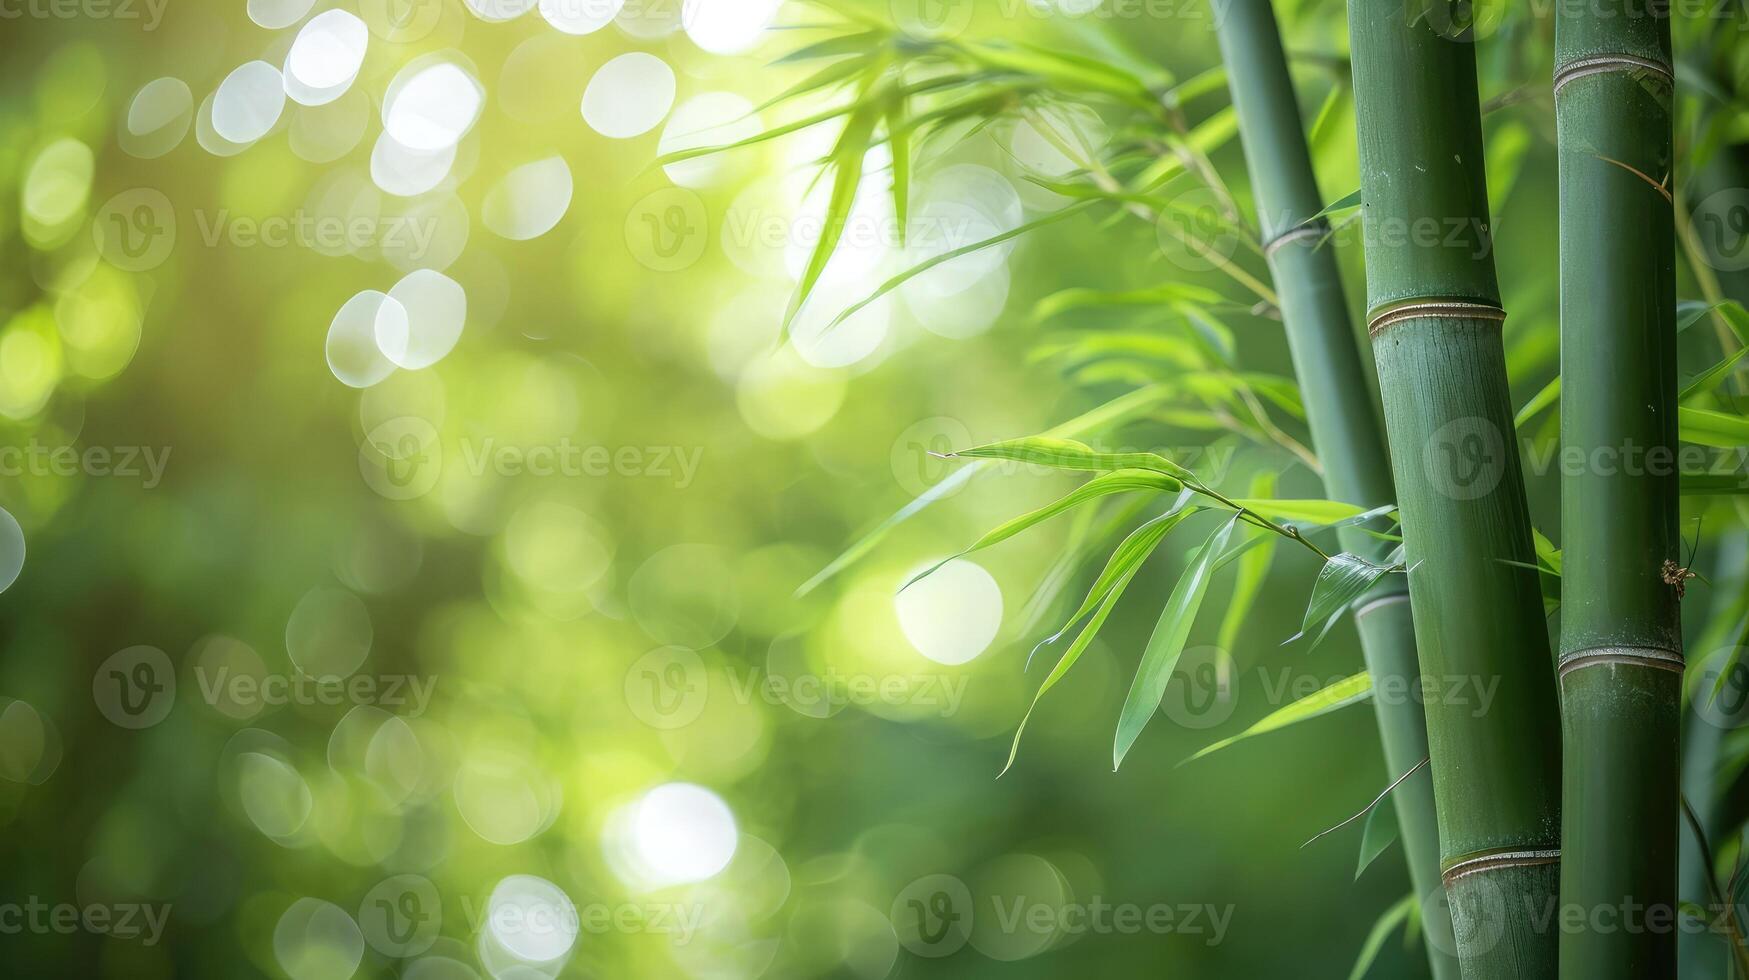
<point x="1068" y="454"/>
<point x="847" y="159"/>
<point x="834" y="47"/>
<point x="1341" y="694"/>
<point x="1120" y="481"/>
<point x="760" y="137"/>
<point x="1118" y="410"/>
<point x="832" y="74"/>
<point x="1710" y="428"/>
<point x="1549" y="394"/>
<point x="1546" y="552"/>
<point x="1065" y="300"/>
<point x="1380" y="832"/>
<point x="1135" y="550"/>
<point x="1314" y="511"/>
<point x="1135" y="547"/>
<point x="1342" y="580"/>
<point x="1253" y="569"/>
<point x="1710" y="378"/>
<point x="1167" y="643"/>
<point x="1702" y="484"/>
<point x="1203" y="83"/>
<point x="901" y="147"/>
<point x="1381" y="931"/>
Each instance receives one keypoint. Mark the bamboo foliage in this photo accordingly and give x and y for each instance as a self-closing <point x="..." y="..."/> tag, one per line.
<point x="1435" y="317"/>
<point x="1339" y="410"/>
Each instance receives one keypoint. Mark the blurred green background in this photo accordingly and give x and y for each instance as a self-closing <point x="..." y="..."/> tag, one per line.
<point x="484" y="656"/>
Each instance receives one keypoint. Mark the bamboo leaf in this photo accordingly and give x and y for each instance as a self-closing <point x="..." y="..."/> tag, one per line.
<point x="1380" y="832"/>
<point x="1710" y="428"/>
<point x="834" y="47"/>
<point x="1709" y="379"/>
<point x="1549" y="394"/>
<point x="900" y="144"/>
<point x="1253" y="569"/>
<point x="1068" y="454"/>
<point x="847" y="159"/>
<point x="1135" y="550"/>
<point x="1313" y="511"/>
<point x="1341" y="694"/>
<point x="1381" y="931"/>
<point x="1118" y="410"/>
<point x="1702" y="484"/>
<point x="1342" y="580"/>
<point x="1120" y="481"/>
<point x="1167" y="643"/>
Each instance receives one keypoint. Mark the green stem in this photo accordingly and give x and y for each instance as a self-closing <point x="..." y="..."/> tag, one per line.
<point x="1621" y="642"/>
<point x="1339" y="409"/>
<point x="1435" y="320"/>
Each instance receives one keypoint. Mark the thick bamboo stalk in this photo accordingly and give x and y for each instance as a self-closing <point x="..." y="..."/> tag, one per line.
<point x="1435" y="317"/>
<point x="1621" y="661"/>
<point x="1339" y="410"/>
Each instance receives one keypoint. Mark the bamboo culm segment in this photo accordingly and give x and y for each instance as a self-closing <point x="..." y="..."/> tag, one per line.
<point x="1344" y="423"/>
<point x="1477" y="604"/>
<point x="1620" y="636"/>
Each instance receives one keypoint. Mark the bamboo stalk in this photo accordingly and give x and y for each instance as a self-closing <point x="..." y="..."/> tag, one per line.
<point x="1621" y="643"/>
<point x="1339" y="411"/>
<point x="1435" y="320"/>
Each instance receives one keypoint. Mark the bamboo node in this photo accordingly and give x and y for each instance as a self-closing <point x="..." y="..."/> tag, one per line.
<point x="1436" y="309"/>
<point x="1604" y="64"/>
<point x="1498" y="860"/>
<point x="1651" y="657"/>
<point x="1313" y="228"/>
